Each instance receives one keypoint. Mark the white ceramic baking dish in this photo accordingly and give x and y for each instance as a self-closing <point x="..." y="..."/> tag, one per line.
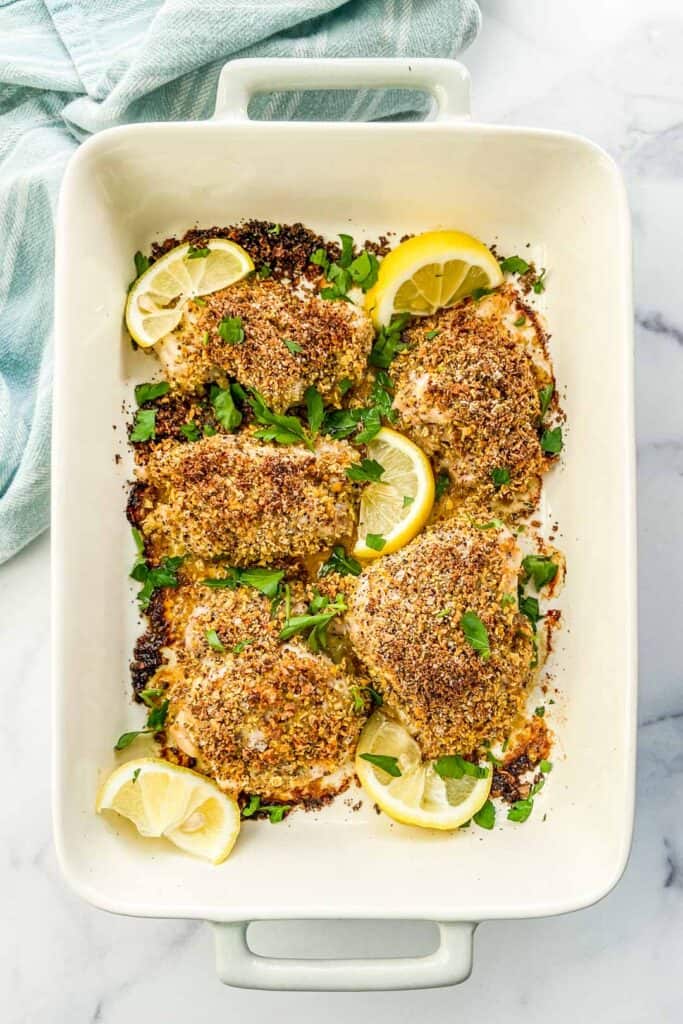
<point x="514" y="186"/>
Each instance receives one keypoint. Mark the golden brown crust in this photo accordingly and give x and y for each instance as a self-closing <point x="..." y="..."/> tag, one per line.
<point x="246" y="501"/>
<point x="334" y="339"/>
<point x="404" y="624"/>
<point x="468" y="395"/>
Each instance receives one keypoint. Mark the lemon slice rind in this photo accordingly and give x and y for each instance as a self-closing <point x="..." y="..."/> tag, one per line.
<point x="167" y="800"/>
<point x="158" y="298"/>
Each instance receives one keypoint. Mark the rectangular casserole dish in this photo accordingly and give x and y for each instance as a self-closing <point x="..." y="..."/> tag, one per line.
<point x="512" y="186"/>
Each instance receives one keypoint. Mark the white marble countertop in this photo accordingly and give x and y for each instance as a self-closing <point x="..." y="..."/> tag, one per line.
<point x="612" y="70"/>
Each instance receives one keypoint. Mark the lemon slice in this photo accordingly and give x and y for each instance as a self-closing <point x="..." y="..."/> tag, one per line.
<point x="429" y="272"/>
<point x="419" y="795"/>
<point x="397" y="507"/>
<point x="163" y="799"/>
<point x="159" y="296"/>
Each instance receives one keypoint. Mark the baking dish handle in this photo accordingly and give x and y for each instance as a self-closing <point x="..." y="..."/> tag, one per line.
<point x="237" y="965"/>
<point x="446" y="80"/>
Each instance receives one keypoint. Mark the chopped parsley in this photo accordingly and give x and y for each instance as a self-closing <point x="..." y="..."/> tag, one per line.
<point x="551" y="441"/>
<point x="150" y="392"/>
<point x="359" y="698"/>
<point x="275" y="812"/>
<point x="520" y="810"/>
<point x="150" y="697"/>
<point x="190" y="431"/>
<point x="430" y="335"/>
<point x="514" y="265"/>
<point x="375" y="541"/>
<point x="493" y="524"/>
<point x="387" y="763"/>
<point x="546" y="766"/>
<point x="388" y="343"/>
<point x="441" y="484"/>
<point x="292" y="346"/>
<point x="144" y="428"/>
<point x="365" y="423"/>
<point x="231" y="330"/>
<point x="277" y="426"/>
<point x="341" y="563"/>
<point x="265" y="271"/>
<point x="198" y="253"/>
<point x="224" y="408"/>
<point x="213" y="640"/>
<point x="199" y="300"/>
<point x="528" y="606"/>
<point x="545" y="397"/>
<point x="382" y="395"/>
<point x="208" y="430"/>
<point x="476" y="634"/>
<point x="344" y="385"/>
<point x="343" y="274"/>
<point x="500" y="476"/>
<point x="163" y="575"/>
<point x="156" y="719"/>
<point x="539" y="712"/>
<point x="539" y="283"/>
<point x="520" y="321"/>
<point x="479" y="293"/>
<point x="315" y="409"/>
<point x="267" y="581"/>
<point x="321" y="612"/>
<point x="453" y="766"/>
<point x="540" y="569"/>
<point x="241" y="646"/>
<point x="507" y="600"/>
<point x="135" y="776"/>
<point x="142" y="263"/>
<point x="485" y="817"/>
<point x="367" y="471"/>
<point x="274" y="230"/>
<point x="407" y="500"/>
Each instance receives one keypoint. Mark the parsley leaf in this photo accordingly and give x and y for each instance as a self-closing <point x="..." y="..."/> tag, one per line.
<point x="364" y="270"/>
<point x="293" y="346"/>
<point x="485" y="817"/>
<point x="266" y="581"/>
<point x="441" y="484"/>
<point x="500" y="476"/>
<point x="265" y="271"/>
<point x="430" y="335"/>
<point x="407" y="500"/>
<point x="369" y="470"/>
<point x="275" y="812"/>
<point x="315" y="409"/>
<point x="453" y="766"/>
<point x="514" y="265"/>
<point x="190" y="431"/>
<point x="274" y="230"/>
<point x="546" y="766"/>
<point x="539" y="712"/>
<point x="359" y="700"/>
<point x="148" y="392"/>
<point x="507" y="600"/>
<point x="208" y="430"/>
<point x="479" y="293"/>
<point x="341" y="563"/>
<point x="149" y="697"/>
<point x="493" y="524"/>
<point x="322" y="611"/>
<point x="320" y="259"/>
<point x="347" y="251"/>
<point x="476" y="634"/>
<point x="280" y="428"/>
<point x="230" y="329"/>
<point x="213" y="640"/>
<point x="344" y="385"/>
<point x="387" y="763"/>
<point x="163" y="575"/>
<point x="539" y="283"/>
<point x="224" y="408"/>
<point x="156" y="720"/>
<point x="521" y="810"/>
<point x="544" y="397"/>
<point x="375" y="541"/>
<point x="372" y="424"/>
<point x="241" y="646"/>
<point x="138" y="539"/>
<point x="528" y="606"/>
<point x="144" y="428"/>
<point x="388" y="343"/>
<point x="382" y="395"/>
<point x="197" y="253"/>
<point x="520" y="321"/>
<point x="142" y="263"/>
<point x="540" y="569"/>
<point x="551" y="441"/>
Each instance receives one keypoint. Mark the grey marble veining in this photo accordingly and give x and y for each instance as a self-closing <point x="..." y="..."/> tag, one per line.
<point x="613" y="71"/>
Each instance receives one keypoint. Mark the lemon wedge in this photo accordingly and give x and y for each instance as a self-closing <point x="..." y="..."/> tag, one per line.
<point x="393" y="773"/>
<point x="429" y="272"/>
<point x="157" y="299"/>
<point x="394" y="510"/>
<point x="163" y="799"/>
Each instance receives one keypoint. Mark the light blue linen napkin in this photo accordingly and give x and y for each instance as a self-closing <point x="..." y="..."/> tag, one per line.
<point x="72" y="67"/>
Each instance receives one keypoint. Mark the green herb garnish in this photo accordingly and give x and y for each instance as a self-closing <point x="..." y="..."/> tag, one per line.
<point x="359" y="700"/>
<point x="500" y="476"/>
<point x="190" y="431"/>
<point x="540" y="569"/>
<point x="265" y="271"/>
<point x="546" y="766"/>
<point x="485" y="817"/>
<point x="341" y="563"/>
<point x="476" y="634"/>
<point x="453" y="766"/>
<point x="430" y="335"/>
<point x="375" y="541"/>
<point x="156" y="719"/>
<point x="197" y="253"/>
<point x="514" y="265"/>
<point x="277" y="426"/>
<point x="388" y="343"/>
<point x="528" y="606"/>
<point x="344" y="385"/>
<point x="539" y="283"/>
<point x="539" y="712"/>
<point x="275" y="812"/>
<point x="315" y="409"/>
<point x="520" y="810"/>
<point x="367" y="471"/>
<point x="321" y="613"/>
<point x="545" y="397"/>
<point x="224" y="408"/>
<point x="150" y="392"/>
<point x="520" y="321"/>
<point x="213" y="640"/>
<point x="163" y="575"/>
<point x="293" y="346"/>
<point x="551" y="441"/>
<point x="407" y="500"/>
<point x="208" y="430"/>
<point x="507" y="600"/>
<point x="241" y="646"/>
<point x="274" y="230"/>
<point x="441" y="484"/>
<point x="387" y="763"/>
<point x="135" y="776"/>
<point x="493" y="524"/>
<point x="144" y="428"/>
<point x="266" y="581"/>
<point x="231" y="330"/>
